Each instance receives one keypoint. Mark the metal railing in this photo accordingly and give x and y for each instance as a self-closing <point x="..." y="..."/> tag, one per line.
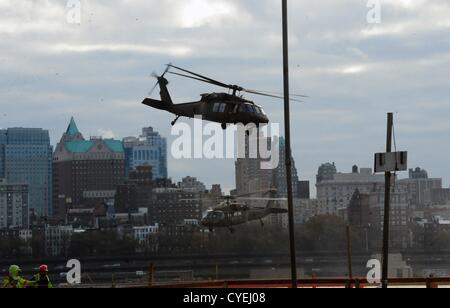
<point x="357" y="283"/>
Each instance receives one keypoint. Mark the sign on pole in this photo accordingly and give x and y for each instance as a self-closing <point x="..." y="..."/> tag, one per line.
<point x="391" y="162"/>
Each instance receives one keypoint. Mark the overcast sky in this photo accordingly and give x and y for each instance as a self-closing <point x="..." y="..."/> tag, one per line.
<point x="355" y="72"/>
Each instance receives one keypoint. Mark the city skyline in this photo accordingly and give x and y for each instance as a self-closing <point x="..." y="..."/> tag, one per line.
<point x="226" y="188"/>
<point x="122" y="165"/>
<point x="353" y="71"/>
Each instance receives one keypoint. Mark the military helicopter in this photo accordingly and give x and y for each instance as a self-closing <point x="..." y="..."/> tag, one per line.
<point x="232" y="212"/>
<point x="223" y="108"/>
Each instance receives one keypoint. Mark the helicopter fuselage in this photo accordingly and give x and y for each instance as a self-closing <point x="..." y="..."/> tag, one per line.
<point x="223" y="219"/>
<point x="221" y="108"/>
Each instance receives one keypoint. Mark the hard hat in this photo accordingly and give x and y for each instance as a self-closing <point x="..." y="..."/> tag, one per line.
<point x="43" y="268"/>
<point x="14" y="270"/>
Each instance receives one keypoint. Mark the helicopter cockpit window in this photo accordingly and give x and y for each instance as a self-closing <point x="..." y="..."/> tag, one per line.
<point x="216" y="216"/>
<point x="248" y="108"/>
<point x="219" y="107"/>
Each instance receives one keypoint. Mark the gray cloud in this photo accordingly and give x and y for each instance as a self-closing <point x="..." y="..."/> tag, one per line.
<point x="354" y="72"/>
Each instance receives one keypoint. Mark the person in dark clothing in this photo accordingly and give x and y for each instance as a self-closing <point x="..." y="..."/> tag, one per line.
<point x="41" y="280"/>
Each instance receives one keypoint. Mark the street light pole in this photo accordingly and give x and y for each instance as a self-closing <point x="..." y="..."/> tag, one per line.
<point x="287" y="125"/>
<point x="387" y="206"/>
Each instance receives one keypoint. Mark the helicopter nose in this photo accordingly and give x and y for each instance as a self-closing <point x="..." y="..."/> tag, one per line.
<point x="262" y="118"/>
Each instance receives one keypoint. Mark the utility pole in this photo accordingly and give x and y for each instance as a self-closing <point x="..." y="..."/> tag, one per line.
<point x="387" y="206"/>
<point x="151" y="275"/>
<point x="287" y="126"/>
<point x="349" y="256"/>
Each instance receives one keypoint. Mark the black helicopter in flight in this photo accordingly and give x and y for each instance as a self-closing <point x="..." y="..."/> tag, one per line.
<point x="236" y="211"/>
<point x="223" y="108"/>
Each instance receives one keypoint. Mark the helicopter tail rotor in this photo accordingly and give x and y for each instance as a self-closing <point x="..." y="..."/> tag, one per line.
<point x="159" y="78"/>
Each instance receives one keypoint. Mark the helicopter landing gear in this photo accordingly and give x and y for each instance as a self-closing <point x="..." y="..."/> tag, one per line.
<point x="224" y="126"/>
<point x="251" y="130"/>
<point x="175" y="121"/>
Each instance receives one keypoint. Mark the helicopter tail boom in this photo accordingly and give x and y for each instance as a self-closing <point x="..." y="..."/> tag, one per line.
<point x="161" y="105"/>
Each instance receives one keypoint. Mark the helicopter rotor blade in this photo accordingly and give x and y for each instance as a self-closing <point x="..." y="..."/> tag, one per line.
<point x="204" y="78"/>
<point x="198" y="77"/>
<point x="300" y="95"/>
<point x="166" y="70"/>
<point x="191" y="77"/>
<point x="280" y="94"/>
<point x="153" y="89"/>
<point x="264" y="199"/>
<point x="270" y="95"/>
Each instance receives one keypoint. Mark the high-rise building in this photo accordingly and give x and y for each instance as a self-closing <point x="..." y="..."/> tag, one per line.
<point x="136" y="192"/>
<point x="192" y="184"/>
<point x="326" y="172"/>
<point x="304" y="191"/>
<point x="338" y="190"/>
<point x="172" y="206"/>
<point x="418" y="173"/>
<point x="251" y="178"/>
<point x="14" y="212"/>
<point x="366" y="216"/>
<point x="3" y="140"/>
<point x="150" y="149"/>
<point x="85" y="170"/>
<point x="440" y="196"/>
<point x="420" y="190"/>
<point x="216" y="190"/>
<point x="280" y="182"/>
<point x="26" y="158"/>
<point x="305" y="209"/>
<point x="57" y="240"/>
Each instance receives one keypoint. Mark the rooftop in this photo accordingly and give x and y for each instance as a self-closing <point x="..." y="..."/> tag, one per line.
<point x="72" y="129"/>
<point x="84" y="146"/>
<point x="75" y="143"/>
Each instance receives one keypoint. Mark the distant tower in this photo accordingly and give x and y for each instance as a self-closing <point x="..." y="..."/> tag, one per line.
<point x="216" y="190"/>
<point x="85" y="169"/>
<point x="150" y="149"/>
<point x="72" y="133"/>
<point x="250" y="178"/>
<point x="304" y="190"/>
<point x="26" y="158"/>
<point x="418" y="173"/>
<point x="355" y="169"/>
<point x="326" y="172"/>
<point x="191" y="183"/>
<point x="14" y="211"/>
